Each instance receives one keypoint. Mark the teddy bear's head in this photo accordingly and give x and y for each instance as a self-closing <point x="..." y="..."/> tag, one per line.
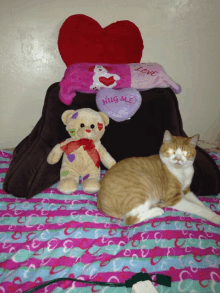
<point x="85" y="123"/>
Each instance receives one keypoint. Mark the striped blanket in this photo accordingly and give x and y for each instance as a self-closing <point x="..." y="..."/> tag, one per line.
<point x="53" y="235"/>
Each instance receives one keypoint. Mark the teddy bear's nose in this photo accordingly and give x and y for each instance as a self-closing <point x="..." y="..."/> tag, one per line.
<point x="87" y="130"/>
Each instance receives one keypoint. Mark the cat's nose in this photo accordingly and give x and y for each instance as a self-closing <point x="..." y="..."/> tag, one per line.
<point x="178" y="159"/>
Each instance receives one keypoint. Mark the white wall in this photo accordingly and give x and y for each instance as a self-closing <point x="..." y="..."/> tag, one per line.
<point x="181" y="35"/>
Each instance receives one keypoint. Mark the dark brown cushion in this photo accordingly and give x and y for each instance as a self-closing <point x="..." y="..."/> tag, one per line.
<point x="29" y="173"/>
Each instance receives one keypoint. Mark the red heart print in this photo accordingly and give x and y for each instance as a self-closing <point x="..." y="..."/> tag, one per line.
<point x="16" y="235"/>
<point x="157" y="252"/>
<point x="118" y="43"/>
<point x="38" y="281"/>
<point x="107" y="81"/>
<point x="100" y="126"/>
<point x="60" y="265"/>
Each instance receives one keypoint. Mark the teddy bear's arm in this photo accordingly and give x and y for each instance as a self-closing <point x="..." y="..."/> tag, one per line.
<point x="105" y="157"/>
<point x="55" y="155"/>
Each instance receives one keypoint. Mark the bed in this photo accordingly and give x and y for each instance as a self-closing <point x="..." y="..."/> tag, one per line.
<point x="53" y="235"/>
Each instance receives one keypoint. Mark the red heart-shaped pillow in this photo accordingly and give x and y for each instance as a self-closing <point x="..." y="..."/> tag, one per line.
<point x="82" y="40"/>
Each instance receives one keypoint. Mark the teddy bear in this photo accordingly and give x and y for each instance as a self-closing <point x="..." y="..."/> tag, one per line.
<point x="83" y="151"/>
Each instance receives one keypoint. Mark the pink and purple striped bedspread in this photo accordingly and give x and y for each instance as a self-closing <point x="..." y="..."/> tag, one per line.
<point x="54" y="236"/>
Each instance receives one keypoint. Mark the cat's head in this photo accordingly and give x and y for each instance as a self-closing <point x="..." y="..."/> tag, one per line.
<point x="178" y="151"/>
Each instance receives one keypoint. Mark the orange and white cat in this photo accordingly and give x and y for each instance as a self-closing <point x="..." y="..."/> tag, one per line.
<point x="135" y="189"/>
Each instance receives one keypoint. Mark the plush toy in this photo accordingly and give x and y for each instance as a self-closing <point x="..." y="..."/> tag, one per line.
<point x="83" y="151"/>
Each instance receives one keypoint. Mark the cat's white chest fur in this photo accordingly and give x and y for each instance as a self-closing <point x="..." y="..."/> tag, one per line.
<point x="184" y="175"/>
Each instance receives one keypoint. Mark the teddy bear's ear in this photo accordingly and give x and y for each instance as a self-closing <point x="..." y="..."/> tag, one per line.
<point x="104" y="118"/>
<point x="65" y="116"/>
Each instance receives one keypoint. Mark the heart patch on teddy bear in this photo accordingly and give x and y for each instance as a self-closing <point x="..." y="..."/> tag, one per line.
<point x="119" y="105"/>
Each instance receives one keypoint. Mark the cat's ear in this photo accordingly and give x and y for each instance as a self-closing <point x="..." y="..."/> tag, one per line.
<point x="194" y="139"/>
<point x="167" y="136"/>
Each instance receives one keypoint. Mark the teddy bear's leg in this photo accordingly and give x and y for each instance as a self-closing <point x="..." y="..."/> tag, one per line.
<point x="67" y="185"/>
<point x="69" y="181"/>
<point x="91" y="180"/>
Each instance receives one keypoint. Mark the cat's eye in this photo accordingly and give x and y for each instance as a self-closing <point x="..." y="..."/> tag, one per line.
<point x="92" y="126"/>
<point x="82" y="125"/>
<point x="184" y="153"/>
<point x="170" y="151"/>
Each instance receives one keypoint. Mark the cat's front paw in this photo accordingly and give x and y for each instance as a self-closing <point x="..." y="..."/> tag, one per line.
<point x="157" y="212"/>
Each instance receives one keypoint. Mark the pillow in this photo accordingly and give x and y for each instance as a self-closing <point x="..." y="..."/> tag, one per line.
<point x="82" y="39"/>
<point x="91" y="77"/>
